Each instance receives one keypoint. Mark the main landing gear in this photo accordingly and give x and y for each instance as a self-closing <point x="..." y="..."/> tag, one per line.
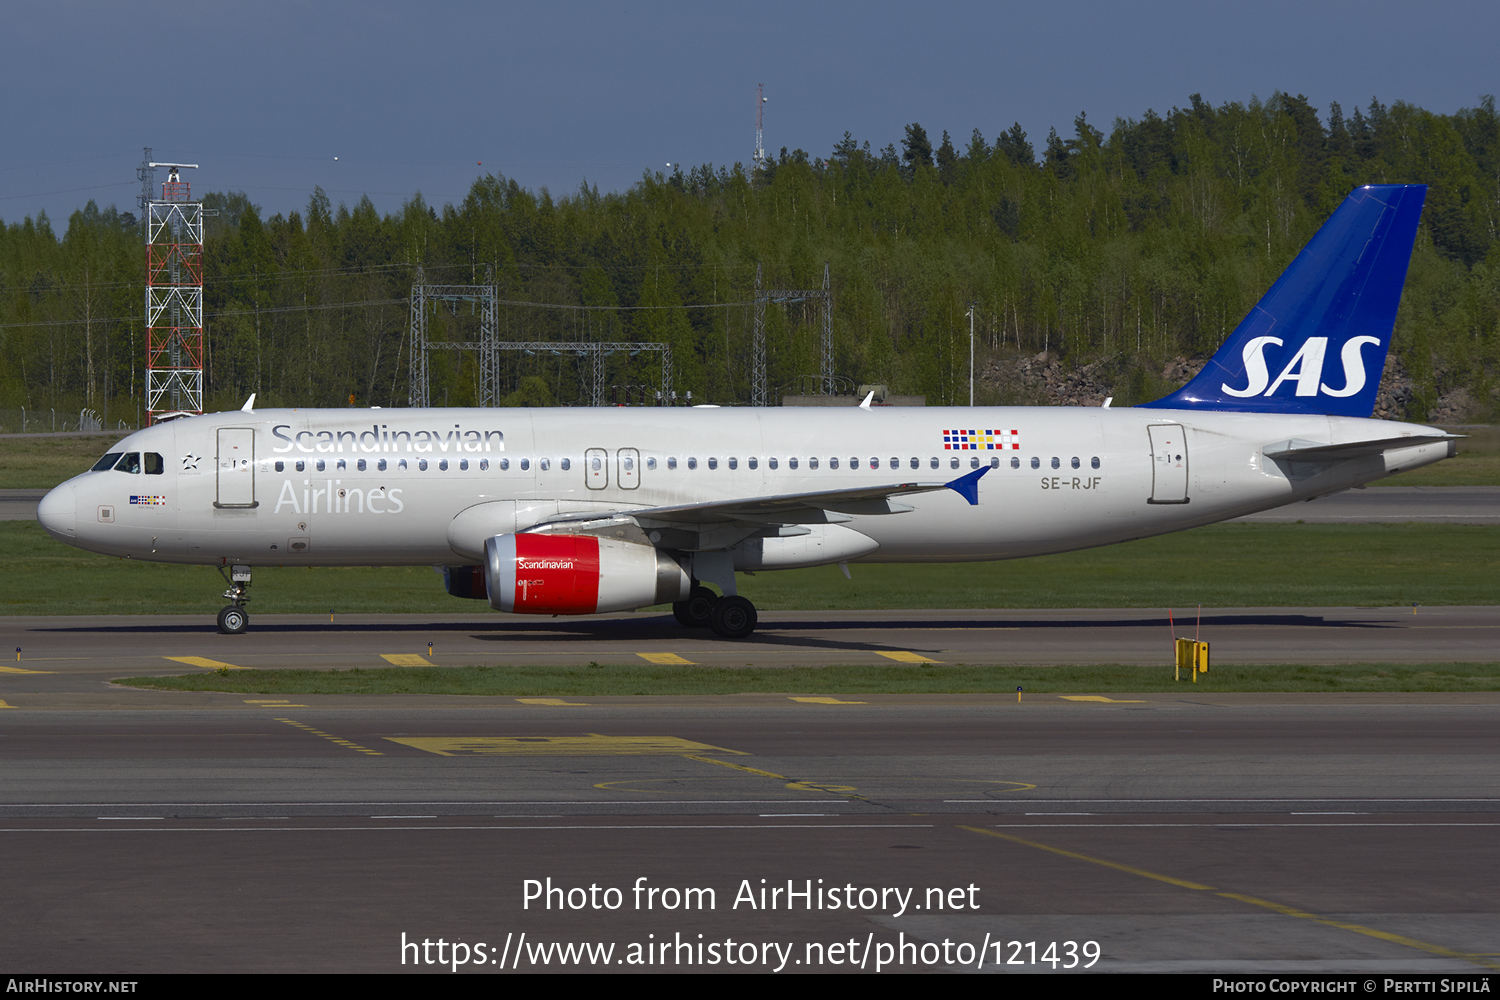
<point x="730" y="617"/>
<point x="234" y="620"/>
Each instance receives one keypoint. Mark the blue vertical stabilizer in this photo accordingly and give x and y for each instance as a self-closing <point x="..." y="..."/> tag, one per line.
<point x="1317" y="341"/>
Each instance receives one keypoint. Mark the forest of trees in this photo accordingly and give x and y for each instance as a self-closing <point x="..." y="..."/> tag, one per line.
<point x="1142" y="245"/>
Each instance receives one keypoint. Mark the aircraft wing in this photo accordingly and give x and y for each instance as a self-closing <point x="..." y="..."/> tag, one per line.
<point x="823" y="506"/>
<point x="1311" y="451"/>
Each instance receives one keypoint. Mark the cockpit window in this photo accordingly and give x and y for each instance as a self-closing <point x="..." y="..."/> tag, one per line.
<point x="107" y="462"/>
<point x="154" y="464"/>
<point x="129" y="462"/>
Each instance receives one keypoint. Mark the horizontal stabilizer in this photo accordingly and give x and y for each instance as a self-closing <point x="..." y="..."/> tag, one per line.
<point x="1312" y="451"/>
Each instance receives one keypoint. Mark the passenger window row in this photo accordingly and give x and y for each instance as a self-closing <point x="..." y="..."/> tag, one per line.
<point x="130" y="462"/>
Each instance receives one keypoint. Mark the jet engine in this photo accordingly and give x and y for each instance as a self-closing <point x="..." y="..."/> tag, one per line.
<point x="558" y="574"/>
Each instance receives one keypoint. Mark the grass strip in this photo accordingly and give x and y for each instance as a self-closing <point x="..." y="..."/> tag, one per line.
<point x="627" y="679"/>
<point x="1222" y="565"/>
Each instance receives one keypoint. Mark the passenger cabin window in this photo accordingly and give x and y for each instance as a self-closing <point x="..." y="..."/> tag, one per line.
<point x="360" y="465"/>
<point x="544" y="464"/>
<point x="1056" y="464"/>
<point x="525" y="464"/>
<point x="995" y="462"/>
<point x="734" y="463"/>
<point x="754" y="462"/>
<point x="401" y="465"/>
<point x="107" y="462"/>
<point x="791" y="463"/>
<point x="301" y="465"/>
<point x="1036" y="463"/>
<point x="281" y="466"/>
<point x="812" y="463"/>
<point x="651" y="463"/>
<point x="773" y="462"/>
<point x="833" y="463"/>
<point x="342" y="465"/>
<point x="1015" y="463"/>
<point x="421" y="465"/>
<point x="442" y="465"/>
<point x="953" y="462"/>
<point x="1075" y="461"/>
<point x="379" y="464"/>
<point x="322" y="466"/>
<point x="692" y="463"/>
<point x="934" y="462"/>
<point x="1094" y="461"/>
<point x="463" y="465"/>
<point x="566" y="464"/>
<point x="713" y="463"/>
<point x="916" y="463"/>
<point x="484" y="464"/>
<point x="973" y="461"/>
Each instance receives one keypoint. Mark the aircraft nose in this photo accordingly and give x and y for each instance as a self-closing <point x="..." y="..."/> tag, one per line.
<point x="58" y="514"/>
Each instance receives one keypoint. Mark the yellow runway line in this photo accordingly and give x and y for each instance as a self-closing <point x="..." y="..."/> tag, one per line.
<point x="407" y="659"/>
<point x="204" y="662"/>
<point x="1290" y="911"/>
<point x="663" y="658"/>
<point x="551" y="701"/>
<point x="826" y="701"/>
<point x="902" y="656"/>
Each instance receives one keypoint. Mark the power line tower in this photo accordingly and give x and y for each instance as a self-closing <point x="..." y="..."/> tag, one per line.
<point x="759" y="392"/>
<point x="759" y="157"/>
<point x="174" y="293"/>
<point x="486" y="295"/>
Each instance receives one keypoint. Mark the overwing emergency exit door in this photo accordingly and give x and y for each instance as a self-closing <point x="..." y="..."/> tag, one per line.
<point x="596" y="468"/>
<point x="630" y="468"/>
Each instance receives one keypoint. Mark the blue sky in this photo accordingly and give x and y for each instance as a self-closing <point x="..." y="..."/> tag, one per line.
<point x="416" y="97"/>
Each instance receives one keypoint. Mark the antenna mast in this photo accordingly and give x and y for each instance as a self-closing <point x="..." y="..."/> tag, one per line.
<point x="759" y="157"/>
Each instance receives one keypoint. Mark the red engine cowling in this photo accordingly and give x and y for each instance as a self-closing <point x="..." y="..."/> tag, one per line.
<point x="546" y="574"/>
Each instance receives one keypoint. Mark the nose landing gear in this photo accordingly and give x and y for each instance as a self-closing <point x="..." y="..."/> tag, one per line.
<point x="234" y="620"/>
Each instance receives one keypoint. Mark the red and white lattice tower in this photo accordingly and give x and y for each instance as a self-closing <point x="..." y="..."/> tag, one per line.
<point x="174" y="300"/>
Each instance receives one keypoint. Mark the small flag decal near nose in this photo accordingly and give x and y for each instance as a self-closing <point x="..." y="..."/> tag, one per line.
<point x="156" y="501"/>
<point x="981" y="440"/>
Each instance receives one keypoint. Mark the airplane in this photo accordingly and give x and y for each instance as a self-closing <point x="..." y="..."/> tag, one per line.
<point x="583" y="511"/>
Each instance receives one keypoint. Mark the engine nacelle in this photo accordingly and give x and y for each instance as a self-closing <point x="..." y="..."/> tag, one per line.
<point x="465" y="581"/>
<point x="553" y="574"/>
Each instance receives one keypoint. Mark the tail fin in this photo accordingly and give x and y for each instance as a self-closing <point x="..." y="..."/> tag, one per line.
<point x="1337" y="300"/>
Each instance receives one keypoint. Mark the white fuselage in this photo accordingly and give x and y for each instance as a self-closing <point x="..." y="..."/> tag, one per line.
<point x="286" y="487"/>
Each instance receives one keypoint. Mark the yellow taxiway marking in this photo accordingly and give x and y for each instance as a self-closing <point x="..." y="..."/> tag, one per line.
<point x="272" y="703"/>
<point x="663" y="658"/>
<point x="407" y="659"/>
<point x="204" y="662"/>
<point x="826" y="701"/>
<point x="592" y="745"/>
<point x="327" y="736"/>
<point x="1481" y="959"/>
<point x="4" y="705"/>
<point x="1100" y="697"/>
<point x="551" y="701"/>
<point x="18" y="670"/>
<point x="903" y="656"/>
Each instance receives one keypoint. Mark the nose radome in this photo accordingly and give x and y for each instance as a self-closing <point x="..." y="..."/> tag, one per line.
<point x="58" y="514"/>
